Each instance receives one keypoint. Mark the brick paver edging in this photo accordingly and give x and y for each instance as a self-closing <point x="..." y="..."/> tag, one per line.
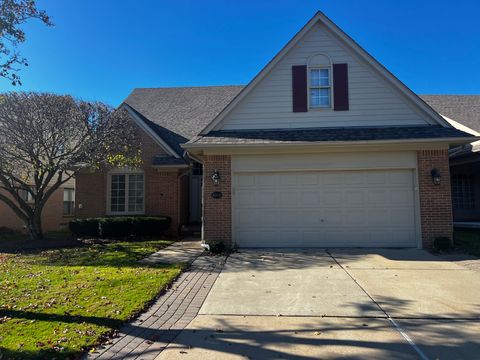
<point x="148" y="335"/>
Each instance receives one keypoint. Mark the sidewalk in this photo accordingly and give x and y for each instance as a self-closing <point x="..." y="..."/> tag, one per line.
<point x="148" y="335"/>
<point x="185" y="251"/>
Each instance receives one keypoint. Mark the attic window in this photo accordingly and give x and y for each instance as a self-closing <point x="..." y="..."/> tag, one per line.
<point x="319" y="81"/>
<point x="320" y="87"/>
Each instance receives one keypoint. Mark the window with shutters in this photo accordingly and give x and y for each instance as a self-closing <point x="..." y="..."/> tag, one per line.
<point x="462" y="192"/>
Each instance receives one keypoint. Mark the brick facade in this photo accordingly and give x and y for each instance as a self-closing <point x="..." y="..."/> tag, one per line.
<point x="435" y="200"/>
<point x="164" y="189"/>
<point x="52" y="215"/>
<point x="217" y="213"/>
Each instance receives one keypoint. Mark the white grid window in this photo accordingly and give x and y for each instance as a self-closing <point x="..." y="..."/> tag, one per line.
<point x="320" y="88"/>
<point x="127" y="193"/>
<point x="462" y="192"/>
<point x="135" y="193"/>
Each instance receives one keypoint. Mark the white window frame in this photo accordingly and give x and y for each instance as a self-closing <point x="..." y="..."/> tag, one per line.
<point x="125" y="172"/>
<point x="329" y="87"/>
<point x="29" y="197"/>
<point x="71" y="201"/>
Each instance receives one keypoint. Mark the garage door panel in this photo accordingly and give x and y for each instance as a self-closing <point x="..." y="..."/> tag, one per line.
<point x="310" y="197"/>
<point x="377" y="197"/>
<point x="376" y="178"/>
<point x="332" y="179"/>
<point x="334" y="217"/>
<point x="355" y="197"/>
<point x="266" y="180"/>
<point x="265" y="198"/>
<point x="400" y="196"/>
<point x="332" y="197"/>
<point x="353" y="178"/>
<point x="311" y="218"/>
<point x="309" y="179"/>
<point x="245" y="180"/>
<point x="288" y="197"/>
<point x="401" y="178"/>
<point x="325" y="209"/>
<point x="245" y="198"/>
<point x="378" y="218"/>
<point x="401" y="217"/>
<point x="354" y="218"/>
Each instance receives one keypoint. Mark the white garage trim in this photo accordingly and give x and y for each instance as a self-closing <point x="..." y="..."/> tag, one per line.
<point x="303" y="165"/>
<point x="326" y="161"/>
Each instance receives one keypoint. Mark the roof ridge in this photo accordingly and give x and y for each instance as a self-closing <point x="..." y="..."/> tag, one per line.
<point x="448" y="94"/>
<point x="186" y="87"/>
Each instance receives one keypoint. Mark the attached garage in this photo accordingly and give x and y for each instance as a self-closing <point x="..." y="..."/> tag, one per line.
<point x="337" y="200"/>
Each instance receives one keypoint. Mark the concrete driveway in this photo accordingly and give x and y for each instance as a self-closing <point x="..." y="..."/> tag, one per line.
<point x="405" y="304"/>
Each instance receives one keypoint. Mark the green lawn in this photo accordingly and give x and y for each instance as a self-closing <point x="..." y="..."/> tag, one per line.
<point x="56" y="303"/>
<point x="468" y="240"/>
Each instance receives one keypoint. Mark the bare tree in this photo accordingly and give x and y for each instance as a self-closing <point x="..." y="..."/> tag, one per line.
<point x="14" y="13"/>
<point x="44" y="138"/>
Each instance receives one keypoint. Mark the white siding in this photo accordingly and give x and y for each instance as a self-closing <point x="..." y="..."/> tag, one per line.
<point x="373" y="101"/>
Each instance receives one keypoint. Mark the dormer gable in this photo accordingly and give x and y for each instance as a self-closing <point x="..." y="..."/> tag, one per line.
<point x="323" y="79"/>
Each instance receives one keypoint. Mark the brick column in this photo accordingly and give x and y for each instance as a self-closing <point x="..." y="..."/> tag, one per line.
<point x="217" y="213"/>
<point x="435" y="200"/>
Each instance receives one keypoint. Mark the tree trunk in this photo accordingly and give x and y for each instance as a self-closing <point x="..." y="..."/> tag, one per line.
<point x="35" y="226"/>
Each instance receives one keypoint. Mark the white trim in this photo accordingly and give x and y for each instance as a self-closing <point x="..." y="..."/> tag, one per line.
<point x="461" y="127"/>
<point x="329" y="87"/>
<point x="319" y="16"/>
<point x="418" y="214"/>
<point x="126" y="172"/>
<point x="149" y="131"/>
<point x="335" y="143"/>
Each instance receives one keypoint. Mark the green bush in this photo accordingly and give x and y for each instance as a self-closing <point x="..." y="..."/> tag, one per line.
<point x="151" y="226"/>
<point x="116" y="227"/>
<point x="217" y="247"/>
<point x="85" y="227"/>
<point x="442" y="244"/>
<point x="120" y="227"/>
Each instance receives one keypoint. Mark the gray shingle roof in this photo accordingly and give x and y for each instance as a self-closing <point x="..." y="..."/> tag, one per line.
<point x="464" y="109"/>
<point x="167" y="161"/>
<point x="182" y="110"/>
<point x="330" y="134"/>
<point x="179" y="114"/>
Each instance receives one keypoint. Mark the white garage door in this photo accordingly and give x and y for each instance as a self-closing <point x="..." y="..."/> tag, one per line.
<point x="325" y="209"/>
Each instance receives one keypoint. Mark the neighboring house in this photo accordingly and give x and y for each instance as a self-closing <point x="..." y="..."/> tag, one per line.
<point x="56" y="215"/>
<point x="464" y="160"/>
<point x="323" y="148"/>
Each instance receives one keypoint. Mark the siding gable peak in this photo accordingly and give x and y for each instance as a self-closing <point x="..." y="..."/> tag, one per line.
<point x="369" y="94"/>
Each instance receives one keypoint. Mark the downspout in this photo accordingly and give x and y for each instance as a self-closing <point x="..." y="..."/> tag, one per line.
<point x="179" y="177"/>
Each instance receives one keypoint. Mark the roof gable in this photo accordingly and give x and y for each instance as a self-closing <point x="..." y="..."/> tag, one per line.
<point x="184" y="111"/>
<point x="418" y="111"/>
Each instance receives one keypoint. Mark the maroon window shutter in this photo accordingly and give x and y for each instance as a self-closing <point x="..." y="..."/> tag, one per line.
<point x="299" y="88"/>
<point x="340" y="87"/>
